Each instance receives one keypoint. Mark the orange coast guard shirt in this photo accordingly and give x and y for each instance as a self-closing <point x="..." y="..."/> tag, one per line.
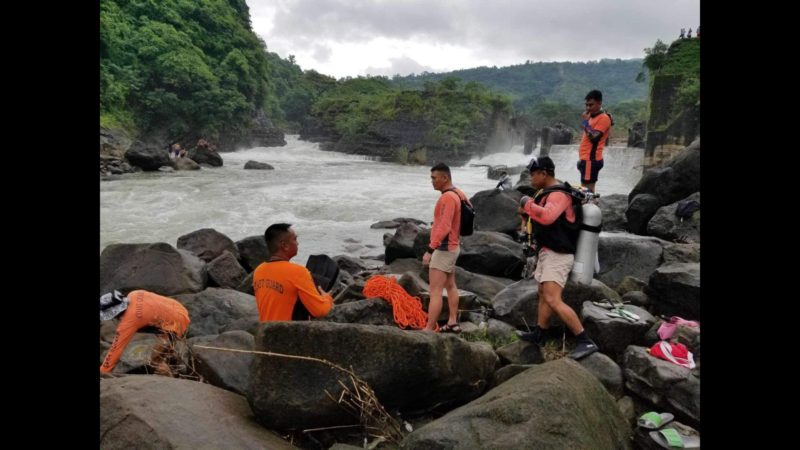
<point x="589" y="151"/>
<point x="447" y="221"/>
<point x="278" y="285"/>
<point x="145" y="309"/>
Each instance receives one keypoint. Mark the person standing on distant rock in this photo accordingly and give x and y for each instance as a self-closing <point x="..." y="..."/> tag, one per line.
<point x="279" y="284"/>
<point x="147" y="309"/>
<point x="204" y="144"/>
<point x="689" y="35"/>
<point x="596" y="126"/>
<point x="175" y="150"/>
<point x="443" y="249"/>
<point x="556" y="226"/>
<point x="683" y="33"/>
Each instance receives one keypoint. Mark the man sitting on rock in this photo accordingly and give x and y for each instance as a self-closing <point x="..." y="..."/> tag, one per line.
<point x="278" y="283"/>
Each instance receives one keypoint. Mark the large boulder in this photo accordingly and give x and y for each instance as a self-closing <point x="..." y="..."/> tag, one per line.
<point x="349" y="264"/>
<point x="405" y="369"/>
<point x="252" y="252"/>
<point x="640" y="210"/>
<point x="207" y="244"/>
<point x="147" y="156"/>
<point x="146" y="411"/>
<point x="225" y="271"/>
<point x="370" y="311"/>
<point x="155" y="267"/>
<point x="681" y="253"/>
<point x="556" y="405"/>
<point x="484" y="286"/>
<point x="203" y="155"/>
<point x="402" y="243"/>
<point x="625" y="254"/>
<point x="674" y="289"/>
<point x="614" y="334"/>
<point x="666" y="385"/>
<point x="496" y="210"/>
<point x="520" y="352"/>
<point x="613" y="208"/>
<point x="114" y="142"/>
<point x="675" y="179"/>
<point x="255" y="165"/>
<point x="666" y="225"/>
<point x="228" y="370"/>
<point x="606" y="371"/>
<point x="214" y="308"/>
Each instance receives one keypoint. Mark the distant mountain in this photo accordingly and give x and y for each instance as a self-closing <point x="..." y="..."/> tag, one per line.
<point x="530" y="84"/>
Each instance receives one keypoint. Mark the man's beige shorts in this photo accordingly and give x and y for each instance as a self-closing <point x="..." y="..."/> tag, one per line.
<point x="445" y="260"/>
<point x="553" y="266"/>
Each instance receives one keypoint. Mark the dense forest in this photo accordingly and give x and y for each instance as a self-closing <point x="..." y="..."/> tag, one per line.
<point x="682" y="59"/>
<point x="452" y="111"/>
<point x="552" y="92"/>
<point x="196" y="67"/>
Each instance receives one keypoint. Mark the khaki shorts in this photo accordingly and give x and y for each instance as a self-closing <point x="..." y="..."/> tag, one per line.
<point x="553" y="266"/>
<point x="445" y="260"/>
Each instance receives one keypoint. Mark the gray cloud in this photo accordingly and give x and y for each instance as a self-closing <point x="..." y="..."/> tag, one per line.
<point x="322" y="53"/>
<point x="360" y="20"/>
<point x="402" y="65"/>
<point x="505" y="31"/>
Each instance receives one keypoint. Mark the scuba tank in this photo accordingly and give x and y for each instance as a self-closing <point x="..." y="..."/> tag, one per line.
<point x="586" y="259"/>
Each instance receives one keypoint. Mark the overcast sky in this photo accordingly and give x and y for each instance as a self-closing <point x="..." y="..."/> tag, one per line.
<point x="385" y="37"/>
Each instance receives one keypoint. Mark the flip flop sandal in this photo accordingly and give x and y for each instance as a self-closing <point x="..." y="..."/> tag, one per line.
<point x="629" y="314"/>
<point x="604" y="304"/>
<point x="653" y="420"/>
<point x="450" y="329"/>
<point x="670" y="438"/>
<point x="620" y="313"/>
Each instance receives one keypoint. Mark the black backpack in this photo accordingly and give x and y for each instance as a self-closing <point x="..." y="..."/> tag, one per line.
<point x="578" y="199"/>
<point x="467" y="215"/>
<point x="324" y="272"/>
<point x="686" y="208"/>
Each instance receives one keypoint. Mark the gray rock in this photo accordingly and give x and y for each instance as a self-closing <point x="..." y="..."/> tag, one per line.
<point x="553" y="405"/>
<point x="224" y="369"/>
<point x="613" y="208"/>
<point x="255" y="165"/>
<point x="406" y="370"/>
<point x="133" y="415"/>
<point x="627" y="255"/>
<point x="207" y="244"/>
<point x="158" y="267"/>
<point x="214" y="308"/>
<point x="371" y="311"/>
<point x="225" y="271"/>
<point x="674" y="289"/>
<point x="252" y="252"/>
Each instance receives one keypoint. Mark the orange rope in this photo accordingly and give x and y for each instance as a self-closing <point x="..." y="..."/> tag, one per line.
<point x="408" y="312"/>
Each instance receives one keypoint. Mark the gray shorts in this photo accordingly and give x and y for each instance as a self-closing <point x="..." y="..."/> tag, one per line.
<point x="553" y="266"/>
<point x="445" y="260"/>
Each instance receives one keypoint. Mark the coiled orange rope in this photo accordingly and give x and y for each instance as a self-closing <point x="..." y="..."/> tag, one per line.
<point x="408" y="312"/>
